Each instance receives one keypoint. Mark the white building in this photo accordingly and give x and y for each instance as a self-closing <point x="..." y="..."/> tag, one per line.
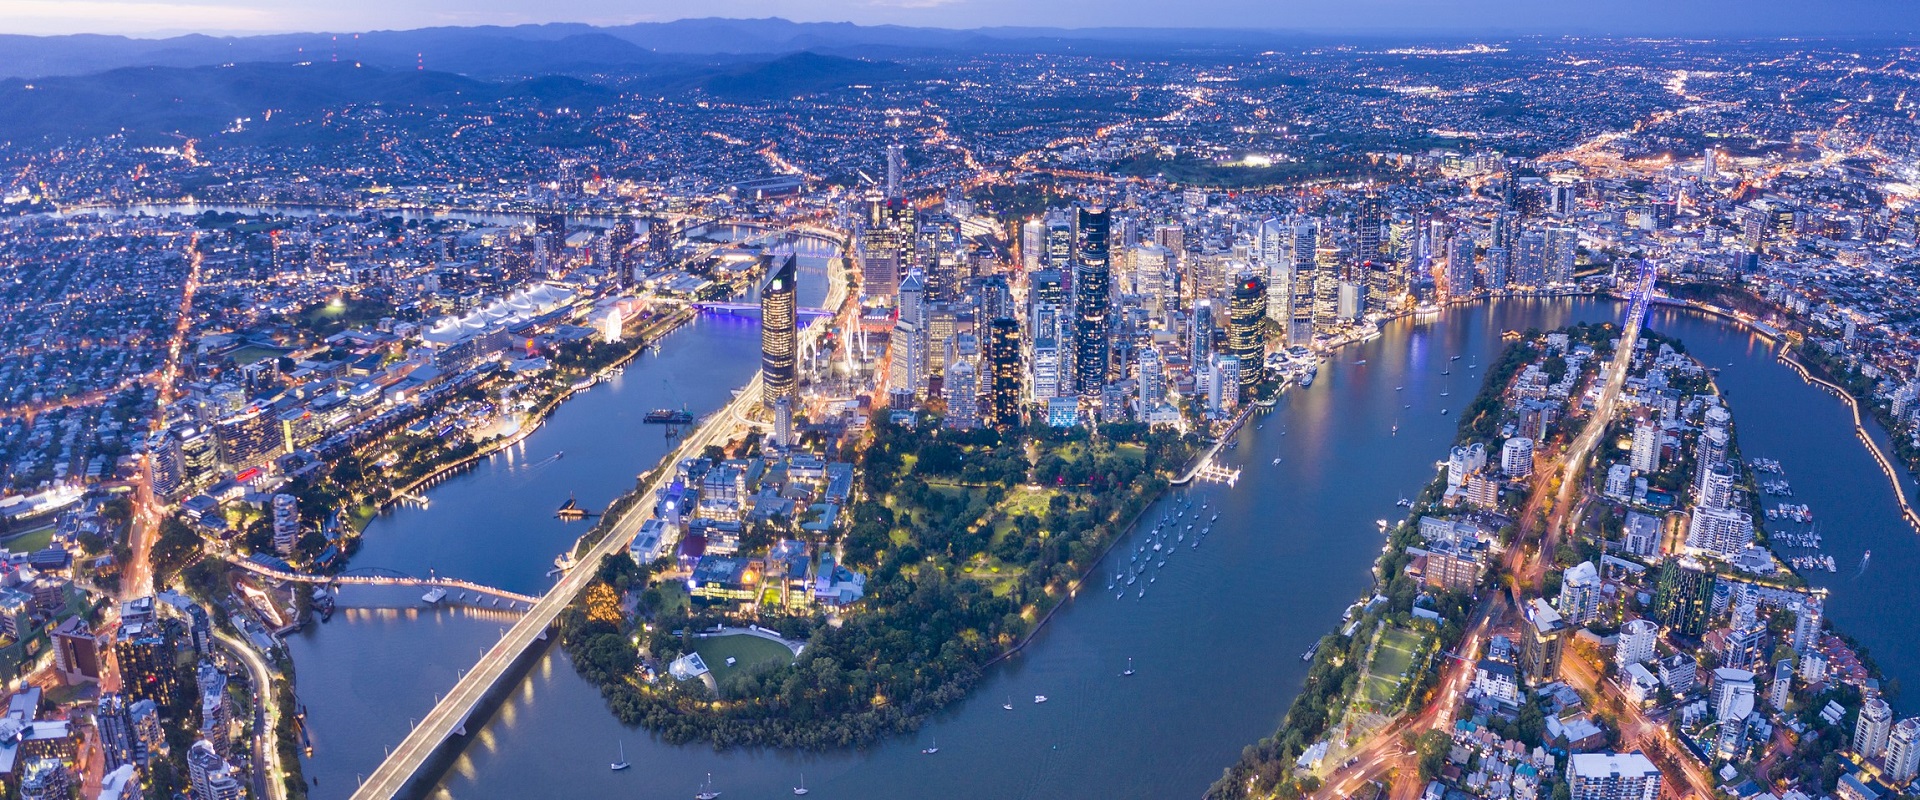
<point x="1612" y="776"/>
<point x="1646" y="448"/>
<point x="1619" y="481"/>
<point x="1719" y="532"/>
<point x="1516" y="457"/>
<point x="286" y="523"/>
<point x="1580" y="594"/>
<point x="1875" y="728"/>
<point x="1463" y="461"/>
<point x="1903" y="751"/>
<point x="1636" y="642"/>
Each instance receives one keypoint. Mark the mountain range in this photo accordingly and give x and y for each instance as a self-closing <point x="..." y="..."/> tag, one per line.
<point x="492" y="52"/>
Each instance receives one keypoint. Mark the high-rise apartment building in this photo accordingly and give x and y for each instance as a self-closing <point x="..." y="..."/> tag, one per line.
<point x="1002" y="356"/>
<point x="1645" y="457"/>
<point x="1092" y="303"/>
<point x="1245" y="340"/>
<point x="780" y="332"/>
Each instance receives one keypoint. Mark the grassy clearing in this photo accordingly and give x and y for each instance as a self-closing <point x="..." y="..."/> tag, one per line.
<point x="1392" y="658"/>
<point x="747" y="651"/>
<point x="31" y="540"/>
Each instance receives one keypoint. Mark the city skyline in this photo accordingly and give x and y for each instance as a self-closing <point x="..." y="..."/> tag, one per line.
<point x="1135" y="412"/>
<point x="1383" y="18"/>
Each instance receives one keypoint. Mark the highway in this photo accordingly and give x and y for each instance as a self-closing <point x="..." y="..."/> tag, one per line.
<point x="450" y="714"/>
<point x="144" y="528"/>
<point x="267" y="776"/>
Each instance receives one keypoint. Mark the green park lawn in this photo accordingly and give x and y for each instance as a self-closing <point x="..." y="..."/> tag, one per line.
<point x="1392" y="658"/>
<point x="747" y="651"/>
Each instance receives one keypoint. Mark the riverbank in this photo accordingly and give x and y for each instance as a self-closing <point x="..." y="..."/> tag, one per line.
<point x="960" y="571"/>
<point x="649" y="337"/>
<point x="1339" y="685"/>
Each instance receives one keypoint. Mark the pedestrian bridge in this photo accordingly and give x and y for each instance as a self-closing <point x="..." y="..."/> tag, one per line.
<point x="459" y="591"/>
<point x="753" y="310"/>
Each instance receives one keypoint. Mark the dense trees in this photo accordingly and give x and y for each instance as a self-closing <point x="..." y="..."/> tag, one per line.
<point x="929" y="501"/>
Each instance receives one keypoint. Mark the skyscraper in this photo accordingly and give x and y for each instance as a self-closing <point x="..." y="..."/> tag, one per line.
<point x="145" y="654"/>
<point x="1368" y="220"/>
<point x="1245" y="340"/>
<point x="286" y="523"/>
<point x="1302" y="248"/>
<point x="1271" y="260"/>
<point x="1903" y="751"/>
<point x="1091" y="303"/>
<point x="779" y="332"/>
<point x="896" y="165"/>
<point x="1646" y="448"/>
<point x="1683" y="597"/>
<point x="216" y="714"/>
<point x="1561" y="244"/>
<point x="1200" y="336"/>
<point x="115" y="726"/>
<point x="1872" y="730"/>
<point x="211" y="777"/>
<point x="1460" y="273"/>
<point x="1542" y="639"/>
<point x="1002" y="354"/>
<point x="962" y="390"/>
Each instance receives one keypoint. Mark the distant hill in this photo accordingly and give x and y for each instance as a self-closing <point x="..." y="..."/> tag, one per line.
<point x="802" y="73"/>
<point x="527" y="50"/>
<point x="195" y="101"/>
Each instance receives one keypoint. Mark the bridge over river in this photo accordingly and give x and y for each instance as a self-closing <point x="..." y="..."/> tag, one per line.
<point x="459" y="591"/>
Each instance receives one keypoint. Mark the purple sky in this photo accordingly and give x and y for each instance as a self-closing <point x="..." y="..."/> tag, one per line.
<point x="1649" y="17"/>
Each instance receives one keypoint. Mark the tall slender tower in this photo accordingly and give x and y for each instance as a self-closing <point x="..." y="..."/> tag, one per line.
<point x="779" y="332"/>
<point x="1091" y="303"/>
<point x="1244" y="338"/>
<point x="896" y="163"/>
<point x="1003" y="382"/>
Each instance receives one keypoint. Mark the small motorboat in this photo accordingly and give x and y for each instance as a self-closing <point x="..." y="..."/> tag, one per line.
<point x="1039" y="698"/>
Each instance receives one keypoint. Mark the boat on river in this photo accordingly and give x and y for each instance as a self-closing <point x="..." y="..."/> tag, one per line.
<point x="621" y="762"/>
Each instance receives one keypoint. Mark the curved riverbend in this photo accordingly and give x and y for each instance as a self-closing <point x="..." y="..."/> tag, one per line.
<point x="1216" y="641"/>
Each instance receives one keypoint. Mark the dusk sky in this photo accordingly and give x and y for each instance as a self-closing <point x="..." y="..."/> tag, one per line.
<point x="1639" y="17"/>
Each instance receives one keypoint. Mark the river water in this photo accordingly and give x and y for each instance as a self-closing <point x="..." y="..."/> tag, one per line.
<point x="1215" y="640"/>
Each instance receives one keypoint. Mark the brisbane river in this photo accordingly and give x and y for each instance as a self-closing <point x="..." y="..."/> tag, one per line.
<point x="1216" y="645"/>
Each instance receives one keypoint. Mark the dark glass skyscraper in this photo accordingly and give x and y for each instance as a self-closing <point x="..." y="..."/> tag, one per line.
<point x="1245" y="310"/>
<point x="1091" y="286"/>
<point x="779" y="332"/>
<point x="1003" y="382"/>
